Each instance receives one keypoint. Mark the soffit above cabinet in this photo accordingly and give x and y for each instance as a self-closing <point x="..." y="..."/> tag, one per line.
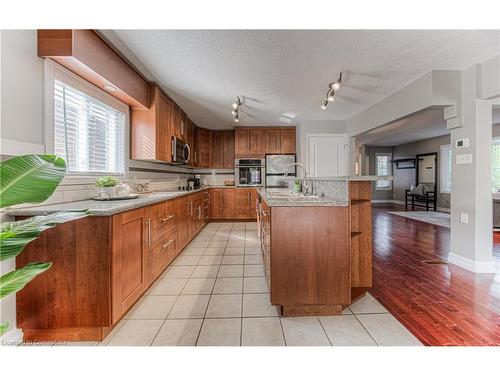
<point x="86" y="54"/>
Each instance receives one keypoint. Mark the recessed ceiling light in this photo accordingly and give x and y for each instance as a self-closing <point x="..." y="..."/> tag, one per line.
<point x="289" y="115"/>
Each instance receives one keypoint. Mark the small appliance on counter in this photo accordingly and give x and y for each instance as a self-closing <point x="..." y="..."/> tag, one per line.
<point x="190" y="183"/>
<point x="275" y="168"/>
<point x="249" y="172"/>
<point x="197" y="181"/>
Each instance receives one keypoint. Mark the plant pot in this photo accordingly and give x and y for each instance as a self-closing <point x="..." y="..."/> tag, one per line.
<point x="106" y="192"/>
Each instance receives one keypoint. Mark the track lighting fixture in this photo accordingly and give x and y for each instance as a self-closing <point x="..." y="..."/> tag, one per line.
<point x="236" y="108"/>
<point x="332" y="88"/>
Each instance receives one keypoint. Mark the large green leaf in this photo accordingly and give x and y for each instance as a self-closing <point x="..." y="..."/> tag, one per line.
<point x="29" y="178"/>
<point x="14" y="281"/>
<point x="3" y="328"/>
<point x="14" y="236"/>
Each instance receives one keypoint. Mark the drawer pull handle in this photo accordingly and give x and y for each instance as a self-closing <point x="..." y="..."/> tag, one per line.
<point x="165" y="245"/>
<point x="167" y="218"/>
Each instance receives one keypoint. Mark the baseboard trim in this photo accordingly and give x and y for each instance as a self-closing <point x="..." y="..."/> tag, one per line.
<point x="13" y="337"/>
<point x="471" y="265"/>
<point x="402" y="203"/>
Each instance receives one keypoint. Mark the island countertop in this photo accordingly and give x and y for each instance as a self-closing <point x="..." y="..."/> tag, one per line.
<point x="302" y="201"/>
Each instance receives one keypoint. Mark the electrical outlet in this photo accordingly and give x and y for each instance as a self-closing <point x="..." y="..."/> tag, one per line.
<point x="464" y="159"/>
<point x="464" y="218"/>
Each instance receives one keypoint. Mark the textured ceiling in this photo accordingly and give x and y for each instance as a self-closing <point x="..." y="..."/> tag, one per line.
<point x="277" y="71"/>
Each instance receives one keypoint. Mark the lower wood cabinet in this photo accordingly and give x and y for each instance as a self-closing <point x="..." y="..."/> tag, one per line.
<point x="103" y="264"/>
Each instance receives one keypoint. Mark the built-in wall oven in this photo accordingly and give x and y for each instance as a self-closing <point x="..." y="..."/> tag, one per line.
<point x="249" y="172"/>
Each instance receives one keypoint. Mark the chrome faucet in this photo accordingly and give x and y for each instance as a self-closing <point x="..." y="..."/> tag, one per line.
<point x="307" y="183"/>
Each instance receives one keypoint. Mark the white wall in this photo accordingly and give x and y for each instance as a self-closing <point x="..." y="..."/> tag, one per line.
<point x="315" y="127"/>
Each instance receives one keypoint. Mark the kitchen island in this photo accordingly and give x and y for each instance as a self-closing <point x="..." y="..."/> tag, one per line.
<point x="317" y="249"/>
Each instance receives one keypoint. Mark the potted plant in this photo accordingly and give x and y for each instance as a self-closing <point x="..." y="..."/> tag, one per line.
<point x="106" y="187"/>
<point x="27" y="179"/>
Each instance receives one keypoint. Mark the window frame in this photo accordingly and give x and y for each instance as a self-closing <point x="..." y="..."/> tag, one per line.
<point x="383" y="188"/>
<point x="444" y="170"/>
<point x="54" y="71"/>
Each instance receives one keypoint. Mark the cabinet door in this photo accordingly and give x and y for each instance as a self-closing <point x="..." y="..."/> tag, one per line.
<point x="242" y="142"/>
<point x="161" y="256"/>
<point x="216" y="204"/>
<point x="175" y="120"/>
<point x="203" y="148"/>
<point x="253" y="204"/>
<point x="242" y="203"/>
<point x="192" y="143"/>
<point x="130" y="260"/>
<point x="217" y="150"/>
<point x="163" y="130"/>
<point x="258" y="142"/>
<point x="229" y="149"/>
<point x="228" y="203"/>
<point x="182" y="131"/>
<point x="288" y="141"/>
<point x="182" y="222"/>
<point x="273" y="141"/>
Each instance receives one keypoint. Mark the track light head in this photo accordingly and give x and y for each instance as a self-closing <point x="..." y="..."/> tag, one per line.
<point x="331" y="95"/>
<point x="323" y="106"/>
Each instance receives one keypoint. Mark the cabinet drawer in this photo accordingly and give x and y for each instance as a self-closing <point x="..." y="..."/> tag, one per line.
<point x="161" y="228"/>
<point x="161" y="255"/>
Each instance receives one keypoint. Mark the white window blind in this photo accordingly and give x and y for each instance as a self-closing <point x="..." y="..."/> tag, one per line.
<point x="446" y="161"/>
<point x="88" y="134"/>
<point x="384" y="169"/>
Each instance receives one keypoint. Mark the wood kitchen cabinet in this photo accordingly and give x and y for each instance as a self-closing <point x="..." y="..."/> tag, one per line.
<point x="217" y="149"/>
<point x="183" y="210"/>
<point x="151" y="131"/>
<point x="229" y="149"/>
<point x="191" y="140"/>
<point x="241" y="142"/>
<point x="258" y="142"/>
<point x="129" y="260"/>
<point x="206" y="206"/>
<point x="273" y="141"/>
<point x="216" y="204"/>
<point x="237" y="203"/>
<point x="288" y="141"/>
<point x="178" y="122"/>
<point x="203" y="147"/>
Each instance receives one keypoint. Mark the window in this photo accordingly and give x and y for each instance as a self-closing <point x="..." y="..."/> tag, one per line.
<point x="88" y="133"/>
<point x="445" y="167"/>
<point x="495" y="164"/>
<point x="383" y="168"/>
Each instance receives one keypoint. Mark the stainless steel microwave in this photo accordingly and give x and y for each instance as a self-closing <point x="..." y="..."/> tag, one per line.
<point x="181" y="151"/>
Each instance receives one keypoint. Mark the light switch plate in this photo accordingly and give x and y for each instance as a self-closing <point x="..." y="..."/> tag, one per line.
<point x="464" y="218"/>
<point x="464" y="159"/>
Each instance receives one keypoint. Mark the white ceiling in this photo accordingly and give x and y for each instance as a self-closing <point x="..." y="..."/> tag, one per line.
<point x="278" y="71"/>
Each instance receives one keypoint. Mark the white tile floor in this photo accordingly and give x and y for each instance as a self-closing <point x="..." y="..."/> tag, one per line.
<point x="215" y="294"/>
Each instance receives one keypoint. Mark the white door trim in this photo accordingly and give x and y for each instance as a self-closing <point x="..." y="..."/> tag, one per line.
<point x="344" y="136"/>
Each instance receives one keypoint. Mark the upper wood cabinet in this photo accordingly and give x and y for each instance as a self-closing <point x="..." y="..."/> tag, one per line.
<point x="256" y="142"/>
<point x="191" y="140"/>
<point x="273" y="141"/>
<point x="241" y="142"/>
<point x="229" y="149"/>
<point x="288" y="141"/>
<point x="217" y="150"/>
<point x="151" y="131"/>
<point x="178" y="122"/>
<point x="85" y="53"/>
<point x="203" y="147"/>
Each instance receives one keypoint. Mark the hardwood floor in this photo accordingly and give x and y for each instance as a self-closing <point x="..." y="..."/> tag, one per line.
<point x="440" y="304"/>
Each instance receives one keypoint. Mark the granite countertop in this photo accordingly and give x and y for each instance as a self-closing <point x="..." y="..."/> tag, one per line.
<point x="284" y="201"/>
<point x="104" y="208"/>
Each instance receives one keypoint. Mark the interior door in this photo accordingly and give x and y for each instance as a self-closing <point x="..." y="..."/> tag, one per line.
<point x="327" y="154"/>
